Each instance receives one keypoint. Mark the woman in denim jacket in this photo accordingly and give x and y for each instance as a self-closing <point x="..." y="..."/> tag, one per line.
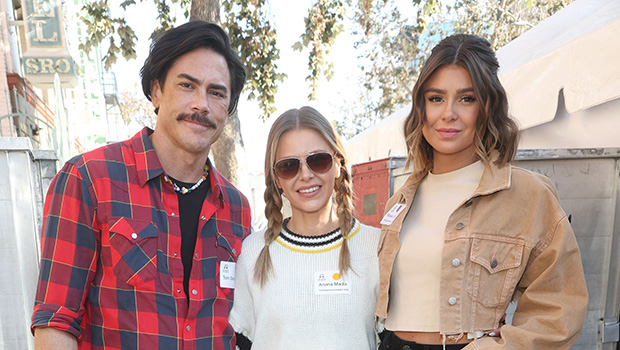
<point x="468" y="233"/>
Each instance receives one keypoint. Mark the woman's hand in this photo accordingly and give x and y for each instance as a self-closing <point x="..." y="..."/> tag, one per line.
<point x="497" y="332"/>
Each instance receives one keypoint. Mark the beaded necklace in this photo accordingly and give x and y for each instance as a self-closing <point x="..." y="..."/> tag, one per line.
<point x="184" y="190"/>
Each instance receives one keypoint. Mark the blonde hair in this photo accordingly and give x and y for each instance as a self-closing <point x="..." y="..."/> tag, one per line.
<point x="495" y="129"/>
<point x="298" y="119"/>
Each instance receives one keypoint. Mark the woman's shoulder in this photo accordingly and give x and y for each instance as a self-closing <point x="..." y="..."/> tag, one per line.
<point x="371" y="230"/>
<point x="368" y="234"/>
<point x="538" y="191"/>
<point x="527" y="181"/>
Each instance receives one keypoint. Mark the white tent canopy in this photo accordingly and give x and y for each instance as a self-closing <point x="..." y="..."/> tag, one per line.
<point x="577" y="50"/>
<point x="382" y="140"/>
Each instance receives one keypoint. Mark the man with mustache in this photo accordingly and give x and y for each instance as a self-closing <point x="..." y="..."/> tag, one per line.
<point x="140" y="238"/>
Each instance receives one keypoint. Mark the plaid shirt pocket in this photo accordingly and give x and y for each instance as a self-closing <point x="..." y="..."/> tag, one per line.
<point x="134" y="250"/>
<point x="229" y="247"/>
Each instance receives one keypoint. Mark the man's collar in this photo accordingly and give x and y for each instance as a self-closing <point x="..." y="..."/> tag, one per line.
<point x="149" y="167"/>
<point x="215" y="181"/>
<point x="147" y="163"/>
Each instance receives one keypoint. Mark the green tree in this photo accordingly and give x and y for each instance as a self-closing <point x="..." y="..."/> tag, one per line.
<point x="135" y="108"/>
<point x="323" y="24"/>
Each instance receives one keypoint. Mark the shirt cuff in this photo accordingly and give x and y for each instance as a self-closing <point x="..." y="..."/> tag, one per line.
<point x="57" y="317"/>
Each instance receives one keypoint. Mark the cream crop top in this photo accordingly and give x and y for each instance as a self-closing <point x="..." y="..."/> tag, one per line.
<point x="414" y="284"/>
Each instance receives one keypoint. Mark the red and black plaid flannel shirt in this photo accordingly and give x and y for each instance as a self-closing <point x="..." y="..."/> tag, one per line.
<point x="111" y="271"/>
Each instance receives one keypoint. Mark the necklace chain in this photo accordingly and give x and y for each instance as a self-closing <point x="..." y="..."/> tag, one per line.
<point x="185" y="190"/>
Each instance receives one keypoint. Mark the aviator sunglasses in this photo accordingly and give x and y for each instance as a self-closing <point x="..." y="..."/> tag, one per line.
<point x="319" y="163"/>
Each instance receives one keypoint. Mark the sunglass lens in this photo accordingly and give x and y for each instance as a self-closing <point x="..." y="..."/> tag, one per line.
<point x="319" y="162"/>
<point x="287" y="168"/>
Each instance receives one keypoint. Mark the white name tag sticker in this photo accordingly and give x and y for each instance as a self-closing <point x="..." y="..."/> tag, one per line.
<point x="227" y="274"/>
<point x="331" y="282"/>
<point x="392" y="214"/>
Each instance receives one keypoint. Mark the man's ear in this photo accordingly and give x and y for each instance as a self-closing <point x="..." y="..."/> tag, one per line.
<point x="155" y="93"/>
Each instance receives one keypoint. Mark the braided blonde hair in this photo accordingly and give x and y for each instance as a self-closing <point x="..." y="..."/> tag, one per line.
<point x="298" y="119"/>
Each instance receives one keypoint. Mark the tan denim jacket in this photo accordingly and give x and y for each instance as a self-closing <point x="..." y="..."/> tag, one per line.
<point x="511" y="240"/>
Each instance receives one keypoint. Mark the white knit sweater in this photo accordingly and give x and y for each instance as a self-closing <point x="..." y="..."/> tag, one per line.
<point x="295" y="309"/>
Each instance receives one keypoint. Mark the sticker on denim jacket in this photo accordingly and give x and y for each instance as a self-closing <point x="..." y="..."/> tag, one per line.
<point x="227" y="274"/>
<point x="331" y="282"/>
<point x="392" y="214"/>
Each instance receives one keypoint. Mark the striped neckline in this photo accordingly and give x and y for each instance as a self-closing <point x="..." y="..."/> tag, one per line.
<point x="313" y="244"/>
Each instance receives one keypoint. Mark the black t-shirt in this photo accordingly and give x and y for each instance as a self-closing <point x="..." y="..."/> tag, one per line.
<point x="190" y="205"/>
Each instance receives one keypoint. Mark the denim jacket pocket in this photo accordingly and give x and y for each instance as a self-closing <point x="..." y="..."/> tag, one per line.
<point x="495" y="270"/>
<point x="133" y="246"/>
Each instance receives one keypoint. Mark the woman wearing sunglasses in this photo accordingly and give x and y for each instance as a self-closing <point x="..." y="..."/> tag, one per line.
<point x="309" y="281"/>
<point x="468" y="232"/>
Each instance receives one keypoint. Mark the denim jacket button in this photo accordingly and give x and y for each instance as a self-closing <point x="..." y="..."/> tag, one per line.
<point x="494" y="263"/>
<point x="456" y="262"/>
<point x="406" y="347"/>
<point x="469" y="202"/>
<point x="452" y="301"/>
<point x="460" y="226"/>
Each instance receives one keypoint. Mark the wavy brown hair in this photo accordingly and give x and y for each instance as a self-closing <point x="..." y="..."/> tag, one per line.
<point x="495" y="129"/>
<point x="298" y="119"/>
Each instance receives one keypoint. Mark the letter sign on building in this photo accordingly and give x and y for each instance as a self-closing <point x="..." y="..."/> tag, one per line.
<point x="46" y="51"/>
<point x="49" y="65"/>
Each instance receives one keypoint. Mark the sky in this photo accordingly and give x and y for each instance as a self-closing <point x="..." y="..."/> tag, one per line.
<point x="292" y="93"/>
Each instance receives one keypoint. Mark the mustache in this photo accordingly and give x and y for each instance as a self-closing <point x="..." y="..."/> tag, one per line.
<point x="201" y="118"/>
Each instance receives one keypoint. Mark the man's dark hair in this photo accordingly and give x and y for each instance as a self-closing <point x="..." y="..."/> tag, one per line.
<point x="168" y="46"/>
